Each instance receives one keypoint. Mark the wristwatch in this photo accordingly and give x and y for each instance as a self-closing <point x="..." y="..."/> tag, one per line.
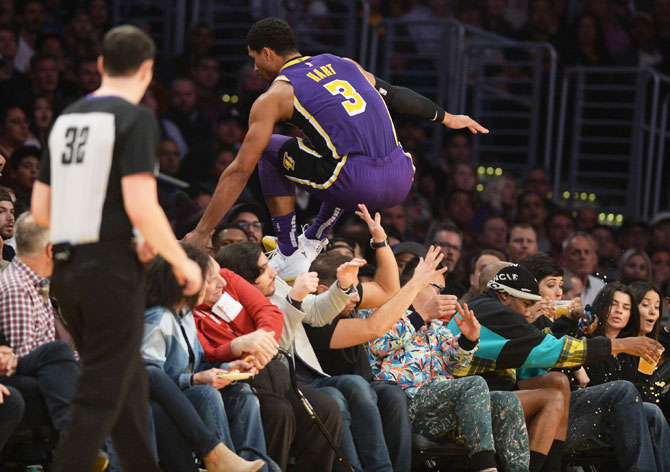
<point x="375" y="245"/>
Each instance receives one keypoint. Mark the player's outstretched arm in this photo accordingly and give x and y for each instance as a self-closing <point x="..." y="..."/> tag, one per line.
<point x="407" y="102"/>
<point x="267" y="110"/>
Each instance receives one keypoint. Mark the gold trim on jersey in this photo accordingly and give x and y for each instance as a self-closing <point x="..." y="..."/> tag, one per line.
<point x="297" y="60"/>
<point x="300" y="109"/>
<point x="328" y="182"/>
<point x="410" y="160"/>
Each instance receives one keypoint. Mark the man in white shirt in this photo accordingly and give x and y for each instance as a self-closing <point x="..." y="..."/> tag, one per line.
<point x="581" y="257"/>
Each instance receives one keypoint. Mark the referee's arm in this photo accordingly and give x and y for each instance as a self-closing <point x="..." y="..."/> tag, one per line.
<point x="40" y="203"/>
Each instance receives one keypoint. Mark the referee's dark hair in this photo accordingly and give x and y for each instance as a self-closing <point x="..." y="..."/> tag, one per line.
<point x="162" y="287"/>
<point x="124" y="49"/>
<point x="241" y="258"/>
<point x="272" y="33"/>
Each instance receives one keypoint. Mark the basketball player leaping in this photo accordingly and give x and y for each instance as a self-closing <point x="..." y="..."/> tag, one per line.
<point x="352" y="155"/>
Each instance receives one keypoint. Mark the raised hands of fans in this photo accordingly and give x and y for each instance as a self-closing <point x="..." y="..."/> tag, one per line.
<point x="426" y="270"/>
<point x="641" y="346"/>
<point x="441" y="307"/>
<point x="347" y="273"/>
<point x="189" y="276"/>
<point x="374" y="225"/>
<point x="467" y="322"/>
<point x="244" y="365"/>
<point x="211" y="377"/>
<point x="588" y="329"/>
<point x="576" y="308"/>
<point x="463" y="121"/>
<point x="541" y="307"/>
<point x="260" y="343"/>
<point x="303" y="285"/>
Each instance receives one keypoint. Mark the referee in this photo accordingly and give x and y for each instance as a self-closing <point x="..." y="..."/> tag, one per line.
<point x="95" y="184"/>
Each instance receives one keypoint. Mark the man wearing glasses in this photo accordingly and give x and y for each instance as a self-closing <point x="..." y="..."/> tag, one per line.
<point x="449" y="238"/>
<point x="249" y="217"/>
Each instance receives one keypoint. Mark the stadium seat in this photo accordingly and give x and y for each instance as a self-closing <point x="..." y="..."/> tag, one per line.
<point x="432" y="456"/>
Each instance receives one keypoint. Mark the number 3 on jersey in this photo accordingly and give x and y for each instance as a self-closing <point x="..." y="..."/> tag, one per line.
<point x="75" y="140"/>
<point x="354" y="103"/>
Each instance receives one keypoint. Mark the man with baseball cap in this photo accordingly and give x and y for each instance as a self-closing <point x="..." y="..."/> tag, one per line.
<point x="508" y="342"/>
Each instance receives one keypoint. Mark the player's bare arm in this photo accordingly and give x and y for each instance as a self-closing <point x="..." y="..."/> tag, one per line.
<point x="273" y="106"/>
<point x="40" y="203"/>
<point x="405" y="101"/>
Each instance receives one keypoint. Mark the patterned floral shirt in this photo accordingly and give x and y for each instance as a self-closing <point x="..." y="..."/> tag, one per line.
<point x="413" y="353"/>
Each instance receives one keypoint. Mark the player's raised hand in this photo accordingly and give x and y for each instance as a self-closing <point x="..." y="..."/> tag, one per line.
<point x="188" y="275"/>
<point x="374" y="225"/>
<point x="463" y="121"/>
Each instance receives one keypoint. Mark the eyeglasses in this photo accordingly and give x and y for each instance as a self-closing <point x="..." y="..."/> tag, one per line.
<point x="439" y="287"/>
<point x="448" y="246"/>
<point x="250" y="224"/>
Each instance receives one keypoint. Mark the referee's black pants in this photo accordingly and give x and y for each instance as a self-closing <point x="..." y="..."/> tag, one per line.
<point x="100" y="290"/>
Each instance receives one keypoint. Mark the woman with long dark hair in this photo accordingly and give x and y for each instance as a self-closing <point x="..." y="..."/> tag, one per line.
<point x="648" y="298"/>
<point x="187" y="407"/>
<point x="618" y="309"/>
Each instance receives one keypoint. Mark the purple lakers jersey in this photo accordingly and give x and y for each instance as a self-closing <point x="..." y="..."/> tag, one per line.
<point x="337" y="108"/>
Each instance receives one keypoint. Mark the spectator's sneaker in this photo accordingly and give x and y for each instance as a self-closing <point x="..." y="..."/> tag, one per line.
<point x="101" y="461"/>
<point x="289" y="267"/>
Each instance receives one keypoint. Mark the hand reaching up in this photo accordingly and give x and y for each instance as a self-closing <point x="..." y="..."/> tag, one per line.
<point x="467" y="323"/>
<point x="426" y="270"/>
<point x="347" y="273"/>
<point x="375" y="226"/>
<point x="303" y="285"/>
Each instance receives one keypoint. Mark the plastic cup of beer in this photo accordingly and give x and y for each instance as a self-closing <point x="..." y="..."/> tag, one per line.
<point x="645" y="367"/>
<point x="562" y="307"/>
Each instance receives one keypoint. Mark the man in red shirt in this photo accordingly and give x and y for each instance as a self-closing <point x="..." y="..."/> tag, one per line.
<point x="236" y="320"/>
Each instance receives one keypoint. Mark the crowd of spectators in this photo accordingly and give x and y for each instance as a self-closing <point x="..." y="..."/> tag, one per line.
<point x="48" y="52"/>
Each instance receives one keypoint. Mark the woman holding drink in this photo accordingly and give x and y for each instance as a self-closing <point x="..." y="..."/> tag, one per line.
<point x="549" y="276"/>
<point x="625" y="312"/>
